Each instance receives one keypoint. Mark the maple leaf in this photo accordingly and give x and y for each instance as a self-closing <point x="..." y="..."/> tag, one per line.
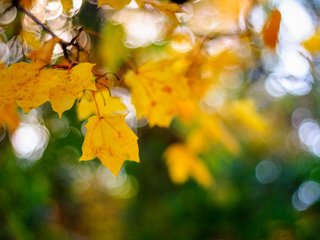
<point x="184" y="163"/>
<point x="111" y="140"/>
<point x="103" y="101"/>
<point x="13" y="79"/>
<point x="157" y="89"/>
<point x="32" y="87"/>
<point x="35" y="91"/>
<point x="117" y="4"/>
<point x="271" y="29"/>
<point x="10" y="117"/>
<point x="42" y="56"/>
<point x="63" y="96"/>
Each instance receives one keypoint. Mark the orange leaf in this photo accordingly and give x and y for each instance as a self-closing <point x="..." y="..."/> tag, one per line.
<point x="26" y="3"/>
<point x="271" y="29"/>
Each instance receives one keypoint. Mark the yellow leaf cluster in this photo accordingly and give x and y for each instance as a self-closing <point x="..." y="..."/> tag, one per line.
<point x="206" y="130"/>
<point x="158" y="88"/>
<point x="30" y="87"/>
<point x="183" y="163"/>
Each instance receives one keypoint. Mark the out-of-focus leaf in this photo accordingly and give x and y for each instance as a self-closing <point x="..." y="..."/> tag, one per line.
<point x="271" y="29"/>
<point x="117" y="4"/>
<point x="184" y="163"/>
<point x="111" y="49"/>
<point x="312" y="44"/>
<point x="157" y="89"/>
<point x="26" y="3"/>
<point x="67" y="4"/>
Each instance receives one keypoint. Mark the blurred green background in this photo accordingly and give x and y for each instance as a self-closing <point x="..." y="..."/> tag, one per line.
<point x="58" y="197"/>
<point x="264" y="192"/>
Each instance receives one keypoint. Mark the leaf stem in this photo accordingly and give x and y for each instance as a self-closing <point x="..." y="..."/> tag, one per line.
<point x="95" y="102"/>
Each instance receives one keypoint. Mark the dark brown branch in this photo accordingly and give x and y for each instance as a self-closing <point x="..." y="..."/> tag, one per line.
<point x="63" y="43"/>
<point x="7" y="9"/>
<point x="36" y="20"/>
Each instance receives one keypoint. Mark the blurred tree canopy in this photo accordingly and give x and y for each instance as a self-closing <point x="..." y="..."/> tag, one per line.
<point x="201" y="119"/>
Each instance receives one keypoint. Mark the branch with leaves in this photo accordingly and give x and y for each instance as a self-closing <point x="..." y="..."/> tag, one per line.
<point x="167" y="85"/>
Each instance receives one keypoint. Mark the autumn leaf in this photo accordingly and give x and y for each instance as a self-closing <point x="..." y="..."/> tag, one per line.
<point x="157" y="89"/>
<point x="42" y="56"/>
<point x="213" y="129"/>
<point x="13" y="79"/>
<point x="32" y="87"/>
<point x="35" y="91"/>
<point x="31" y="39"/>
<point x="244" y="112"/>
<point x="312" y="44"/>
<point x="26" y="3"/>
<point x="9" y="117"/>
<point x="184" y="163"/>
<point x="102" y="100"/>
<point x="63" y="96"/>
<point x="111" y="140"/>
<point x="271" y="29"/>
<point x="117" y="4"/>
<point x="67" y="4"/>
<point x="112" y="51"/>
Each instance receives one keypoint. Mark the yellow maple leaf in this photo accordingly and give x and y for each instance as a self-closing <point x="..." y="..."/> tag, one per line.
<point x="30" y="87"/>
<point x="63" y="96"/>
<point x="10" y="117"/>
<point x="13" y="79"/>
<point x="35" y="91"/>
<point x="110" y="139"/>
<point x="157" y="88"/>
<point x="42" y="56"/>
<point x="117" y="4"/>
<point x="184" y="163"/>
<point x="102" y="100"/>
